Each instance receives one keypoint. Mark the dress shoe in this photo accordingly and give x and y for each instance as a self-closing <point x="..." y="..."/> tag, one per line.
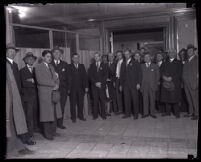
<point x="166" y="114"/>
<point x="29" y="142"/>
<point x="83" y="119"/>
<point x="57" y="134"/>
<point x="135" y="117"/>
<point x="94" y="118"/>
<point x="104" y="118"/>
<point x="62" y="127"/>
<point x="108" y="114"/>
<point x="49" y="138"/>
<point x="153" y="116"/>
<point x="188" y="115"/>
<point x="194" y="117"/>
<point x="25" y="151"/>
<point x="144" y="116"/>
<point x="126" y="116"/>
<point x="177" y="116"/>
<point x="74" y="120"/>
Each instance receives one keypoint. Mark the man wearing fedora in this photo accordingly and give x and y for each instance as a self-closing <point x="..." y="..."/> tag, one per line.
<point x="16" y="127"/>
<point x="171" y="73"/>
<point x="62" y="69"/>
<point x="190" y="78"/>
<point x="29" y="93"/>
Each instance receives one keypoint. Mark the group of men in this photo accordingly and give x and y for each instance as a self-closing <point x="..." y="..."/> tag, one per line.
<point x="127" y="84"/>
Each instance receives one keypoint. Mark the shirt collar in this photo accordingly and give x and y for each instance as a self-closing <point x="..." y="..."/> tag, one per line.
<point x="55" y="61"/>
<point x="171" y="59"/>
<point x="128" y="61"/>
<point x="46" y="64"/>
<point x="11" y="61"/>
<point x="29" y="66"/>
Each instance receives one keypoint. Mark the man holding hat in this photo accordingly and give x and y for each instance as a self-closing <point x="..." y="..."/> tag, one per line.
<point x="171" y="73"/>
<point x="190" y="78"/>
<point x="62" y="69"/>
<point x="29" y="93"/>
<point x="16" y="127"/>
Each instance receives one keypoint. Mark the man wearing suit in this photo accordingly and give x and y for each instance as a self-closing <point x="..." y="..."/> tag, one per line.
<point x="171" y="73"/>
<point x="98" y="76"/>
<point x="119" y="94"/>
<point x="190" y="78"/>
<point x="149" y="85"/>
<point x="130" y="79"/>
<point x="61" y="67"/>
<point x="159" y="104"/>
<point x="78" y="87"/>
<point x="111" y="81"/>
<point x="29" y="93"/>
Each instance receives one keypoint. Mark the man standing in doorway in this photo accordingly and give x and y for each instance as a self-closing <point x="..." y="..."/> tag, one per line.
<point x="62" y="69"/>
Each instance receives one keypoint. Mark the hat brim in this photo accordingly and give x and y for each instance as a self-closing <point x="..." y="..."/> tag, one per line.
<point x="16" y="49"/>
<point x="62" y="51"/>
<point x="193" y="48"/>
<point x="29" y="56"/>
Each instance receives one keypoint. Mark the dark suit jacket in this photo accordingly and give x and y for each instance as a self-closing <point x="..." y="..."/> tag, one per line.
<point x="190" y="73"/>
<point x="28" y="88"/>
<point x="98" y="76"/>
<point x="16" y="74"/>
<point x="131" y="74"/>
<point x="150" y="76"/>
<point x="64" y="74"/>
<point x="112" y="71"/>
<point x="78" y="77"/>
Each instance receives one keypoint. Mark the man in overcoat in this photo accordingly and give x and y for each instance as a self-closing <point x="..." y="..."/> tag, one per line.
<point x="47" y="81"/>
<point x="171" y="73"/>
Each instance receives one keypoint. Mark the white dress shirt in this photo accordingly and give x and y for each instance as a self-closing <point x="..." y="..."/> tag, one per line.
<point x="30" y="68"/>
<point x="128" y="61"/>
<point x="11" y="61"/>
<point x="172" y="59"/>
<point x="191" y="58"/>
<point x="159" y="63"/>
<point x="46" y="64"/>
<point x="118" y="68"/>
<point x="57" y="62"/>
<point x="148" y="64"/>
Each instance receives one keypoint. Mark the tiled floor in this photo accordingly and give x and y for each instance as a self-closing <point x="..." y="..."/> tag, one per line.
<point x="164" y="137"/>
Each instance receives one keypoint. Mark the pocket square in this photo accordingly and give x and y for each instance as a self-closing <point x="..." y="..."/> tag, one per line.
<point x="63" y="69"/>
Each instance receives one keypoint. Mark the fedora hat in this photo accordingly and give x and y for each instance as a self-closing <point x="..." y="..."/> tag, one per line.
<point x="57" y="48"/>
<point x="11" y="46"/>
<point x="29" y="54"/>
<point x="189" y="46"/>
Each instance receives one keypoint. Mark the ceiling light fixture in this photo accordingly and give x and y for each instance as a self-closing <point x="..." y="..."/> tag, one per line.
<point x="90" y="20"/>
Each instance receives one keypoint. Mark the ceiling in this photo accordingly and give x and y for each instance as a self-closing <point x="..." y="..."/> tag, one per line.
<point x="76" y="15"/>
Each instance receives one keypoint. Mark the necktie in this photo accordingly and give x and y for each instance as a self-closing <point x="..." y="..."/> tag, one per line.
<point x="31" y="69"/>
<point x="97" y="65"/>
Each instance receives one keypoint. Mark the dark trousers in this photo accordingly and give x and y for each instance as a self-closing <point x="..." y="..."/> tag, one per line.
<point x="76" y="98"/>
<point x="98" y="96"/>
<point x="174" y="106"/>
<point x="32" y="115"/>
<point x="49" y="128"/>
<point x="119" y="96"/>
<point x="192" y="97"/>
<point x="131" y="101"/>
<point x="140" y="102"/>
<point x="63" y="98"/>
<point x="149" y="97"/>
<point x="112" y="95"/>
